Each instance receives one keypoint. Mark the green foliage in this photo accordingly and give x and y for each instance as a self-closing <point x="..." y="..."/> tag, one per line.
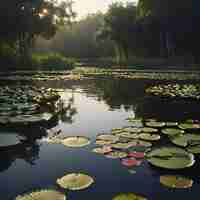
<point x="52" y="61"/>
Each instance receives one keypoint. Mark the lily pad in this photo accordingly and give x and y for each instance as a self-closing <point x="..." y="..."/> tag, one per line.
<point x="75" y="181"/>
<point x="43" y="195"/>
<point x="116" y="154"/>
<point x="103" y="142"/>
<point x="102" y="150"/>
<point x="76" y="141"/>
<point x="189" y="126"/>
<point x="170" y="158"/>
<point x="172" y="131"/>
<point x="130" y="162"/>
<point x="155" y="124"/>
<point x="195" y="149"/>
<point x="149" y="137"/>
<point x="170" y="124"/>
<point x="179" y="182"/>
<point x="149" y="130"/>
<point x="132" y="129"/>
<point x="121" y="145"/>
<point x="129" y="196"/>
<point x="129" y="135"/>
<point x="107" y="137"/>
<point x="185" y="139"/>
<point x="136" y="154"/>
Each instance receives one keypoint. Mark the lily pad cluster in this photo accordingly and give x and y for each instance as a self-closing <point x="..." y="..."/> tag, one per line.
<point x="25" y="104"/>
<point x="176" y="90"/>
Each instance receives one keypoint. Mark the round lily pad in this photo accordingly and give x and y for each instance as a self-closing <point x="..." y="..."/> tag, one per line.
<point x="129" y="196"/>
<point x="149" y="130"/>
<point x="179" y="182"/>
<point x="116" y="154"/>
<point x="117" y="130"/>
<point x="43" y="195"/>
<point x="170" y="124"/>
<point x="132" y="129"/>
<point x="135" y="154"/>
<point x="130" y="162"/>
<point x="149" y="137"/>
<point x="189" y="126"/>
<point x="102" y="150"/>
<point x="76" y="141"/>
<point x="195" y="149"/>
<point x="121" y="145"/>
<point x="75" y="181"/>
<point x="155" y="124"/>
<point x="185" y="139"/>
<point x="172" y="131"/>
<point x="103" y="142"/>
<point x="107" y="137"/>
<point x="170" y="158"/>
<point x="129" y="135"/>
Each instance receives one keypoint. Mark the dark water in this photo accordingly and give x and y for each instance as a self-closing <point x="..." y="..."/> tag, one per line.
<point x="94" y="106"/>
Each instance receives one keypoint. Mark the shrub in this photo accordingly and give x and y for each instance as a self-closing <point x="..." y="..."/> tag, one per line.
<point x="52" y="61"/>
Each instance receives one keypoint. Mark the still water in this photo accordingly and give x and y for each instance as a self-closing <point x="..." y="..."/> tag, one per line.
<point x="94" y="107"/>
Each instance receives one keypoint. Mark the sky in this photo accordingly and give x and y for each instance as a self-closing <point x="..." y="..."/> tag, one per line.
<point x="84" y="7"/>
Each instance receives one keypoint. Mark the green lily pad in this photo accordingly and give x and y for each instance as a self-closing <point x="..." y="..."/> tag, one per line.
<point x="185" y="139"/>
<point x="179" y="182"/>
<point x="102" y="150"/>
<point x="129" y="135"/>
<point x="117" y="130"/>
<point x="43" y="195"/>
<point x="132" y="129"/>
<point x="75" y="181"/>
<point x="189" y="126"/>
<point x="170" y="124"/>
<point x="195" y="149"/>
<point x="107" y="137"/>
<point x="172" y="131"/>
<point x="149" y="130"/>
<point x="121" y="145"/>
<point x="76" y="141"/>
<point x="116" y="154"/>
<point x="155" y="124"/>
<point x="170" y="158"/>
<point x="103" y="142"/>
<point x="129" y="196"/>
<point x="149" y="137"/>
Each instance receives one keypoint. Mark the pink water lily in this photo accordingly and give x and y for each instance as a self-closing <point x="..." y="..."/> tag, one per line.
<point x="130" y="162"/>
<point x="136" y="154"/>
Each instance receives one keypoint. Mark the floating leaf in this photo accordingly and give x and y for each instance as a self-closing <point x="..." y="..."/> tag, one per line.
<point x="102" y="150"/>
<point x="170" y="158"/>
<point x="136" y="154"/>
<point x="116" y="154"/>
<point x="107" y="137"/>
<point x="176" y="182"/>
<point x="76" y="141"/>
<point x="149" y="130"/>
<point x="149" y="137"/>
<point x="121" y="145"/>
<point x="132" y="129"/>
<point x="130" y="162"/>
<point x="75" y="181"/>
<point x="169" y="124"/>
<point x="189" y="126"/>
<point x="194" y="149"/>
<point x="155" y="124"/>
<point x="172" y="131"/>
<point x="129" y="196"/>
<point x="103" y="142"/>
<point x="129" y="135"/>
<point x="43" y="195"/>
<point x="185" y="139"/>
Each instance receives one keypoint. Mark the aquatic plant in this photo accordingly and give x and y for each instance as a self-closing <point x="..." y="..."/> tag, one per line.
<point x="75" y="181"/>
<point x="76" y="141"/>
<point x="129" y="196"/>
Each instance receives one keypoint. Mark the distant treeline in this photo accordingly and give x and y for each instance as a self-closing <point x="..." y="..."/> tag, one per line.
<point x="152" y="28"/>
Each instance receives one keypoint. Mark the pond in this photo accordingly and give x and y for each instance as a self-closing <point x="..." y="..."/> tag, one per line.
<point x="94" y="106"/>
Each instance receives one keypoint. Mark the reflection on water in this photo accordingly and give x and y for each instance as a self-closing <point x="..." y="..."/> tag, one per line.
<point x="91" y="107"/>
